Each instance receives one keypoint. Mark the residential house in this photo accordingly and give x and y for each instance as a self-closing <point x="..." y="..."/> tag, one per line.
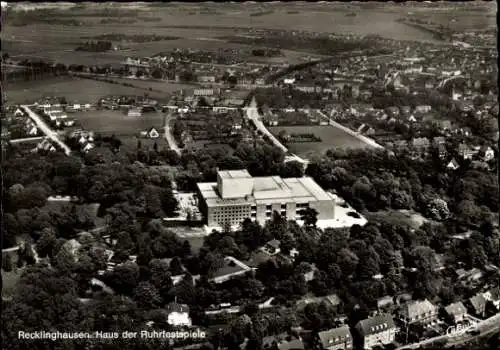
<point x="203" y="92"/>
<point x="282" y="342"/>
<point x="471" y="275"/>
<point x="443" y="124"/>
<point x="272" y="247"/>
<point x="289" y="81"/>
<point x="419" y="312"/>
<point x="423" y="109"/>
<point x="335" y="339"/>
<point x="385" y="302"/>
<point x="488" y="153"/>
<point x="477" y="305"/>
<point x="453" y="164"/>
<point x="420" y="144"/>
<point x="493" y="295"/>
<point x="19" y="112"/>
<point x="178" y="315"/>
<point x="438" y="140"/>
<point x="206" y="78"/>
<point x="455" y="312"/>
<point x="46" y="145"/>
<point x="465" y="151"/>
<point x="30" y="128"/>
<point x="87" y="147"/>
<point x="377" y="330"/>
<point x="152" y="133"/>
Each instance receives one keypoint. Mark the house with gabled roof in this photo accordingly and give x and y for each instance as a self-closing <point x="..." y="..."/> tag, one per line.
<point x="419" y="312"/>
<point x="376" y="330"/>
<point x="339" y="338"/>
<point x="493" y="295"/>
<point x="453" y="164"/>
<point x="455" y="312"/>
<point x="178" y="314"/>
<point x="477" y="304"/>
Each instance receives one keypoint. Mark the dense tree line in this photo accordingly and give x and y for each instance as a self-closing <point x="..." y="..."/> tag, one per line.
<point x="95" y="46"/>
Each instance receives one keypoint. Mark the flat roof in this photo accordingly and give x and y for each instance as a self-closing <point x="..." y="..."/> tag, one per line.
<point x="268" y="189"/>
<point x="234" y="174"/>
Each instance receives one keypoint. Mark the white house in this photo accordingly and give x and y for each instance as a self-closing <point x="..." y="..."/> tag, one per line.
<point x="87" y="147"/>
<point x="178" y="315"/>
<point x="453" y="165"/>
<point x="489" y="154"/>
<point x="153" y="133"/>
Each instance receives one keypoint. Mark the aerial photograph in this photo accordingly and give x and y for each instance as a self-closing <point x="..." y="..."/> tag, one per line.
<point x="250" y="175"/>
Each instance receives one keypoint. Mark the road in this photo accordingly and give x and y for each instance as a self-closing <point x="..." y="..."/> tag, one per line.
<point x="51" y="134"/>
<point x="27" y="139"/>
<point x="488" y="326"/>
<point x="168" y="134"/>
<point x="253" y="115"/>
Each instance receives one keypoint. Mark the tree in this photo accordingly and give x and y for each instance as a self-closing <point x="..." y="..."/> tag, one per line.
<point x="176" y="267"/>
<point x="438" y="209"/>
<point x="7" y="264"/>
<point x="124" y="278"/>
<point x="161" y="277"/>
<point x="210" y="263"/>
<point x="310" y="217"/>
<point x="45" y="243"/>
<point x="147" y="296"/>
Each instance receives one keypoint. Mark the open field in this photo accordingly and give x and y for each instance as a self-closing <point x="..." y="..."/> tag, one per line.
<point x="331" y="137"/>
<point x="118" y="123"/>
<point x="84" y="90"/>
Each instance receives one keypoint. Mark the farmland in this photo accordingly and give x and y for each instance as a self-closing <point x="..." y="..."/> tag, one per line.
<point x="194" y="25"/>
<point x="331" y="137"/>
<point x="85" y="90"/>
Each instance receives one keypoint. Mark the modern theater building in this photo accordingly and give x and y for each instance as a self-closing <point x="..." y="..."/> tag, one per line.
<point x="236" y="196"/>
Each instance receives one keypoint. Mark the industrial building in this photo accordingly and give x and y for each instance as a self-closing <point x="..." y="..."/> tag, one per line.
<point x="237" y="195"/>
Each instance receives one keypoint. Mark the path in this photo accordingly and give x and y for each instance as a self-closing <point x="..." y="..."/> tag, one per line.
<point x="40" y="123"/>
<point x="253" y="115"/>
<point x="168" y="134"/>
<point x="360" y="137"/>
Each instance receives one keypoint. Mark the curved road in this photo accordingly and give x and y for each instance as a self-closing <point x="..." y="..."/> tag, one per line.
<point x="51" y="134"/>
<point x="488" y="326"/>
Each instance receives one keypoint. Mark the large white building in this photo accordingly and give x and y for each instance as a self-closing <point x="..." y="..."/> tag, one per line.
<point x="236" y="196"/>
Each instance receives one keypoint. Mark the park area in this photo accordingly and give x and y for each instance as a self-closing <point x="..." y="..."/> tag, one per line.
<point x="331" y="138"/>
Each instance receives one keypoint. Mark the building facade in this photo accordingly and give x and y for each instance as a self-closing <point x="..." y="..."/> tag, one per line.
<point x="376" y="331"/>
<point x="335" y="339"/>
<point x="236" y="196"/>
<point x="419" y="311"/>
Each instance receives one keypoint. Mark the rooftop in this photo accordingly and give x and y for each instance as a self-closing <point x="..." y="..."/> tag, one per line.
<point x="376" y="324"/>
<point x="334" y="336"/>
<point x="265" y="189"/>
<point x="456" y="309"/>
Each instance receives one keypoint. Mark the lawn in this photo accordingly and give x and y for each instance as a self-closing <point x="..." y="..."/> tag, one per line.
<point x="118" y="123"/>
<point x="85" y="90"/>
<point x="397" y="217"/>
<point x="331" y="137"/>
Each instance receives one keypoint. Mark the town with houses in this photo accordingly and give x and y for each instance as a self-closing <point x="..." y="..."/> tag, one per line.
<point x="221" y="211"/>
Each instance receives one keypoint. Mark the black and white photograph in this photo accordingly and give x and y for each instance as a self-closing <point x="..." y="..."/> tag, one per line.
<point x="250" y="175"/>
